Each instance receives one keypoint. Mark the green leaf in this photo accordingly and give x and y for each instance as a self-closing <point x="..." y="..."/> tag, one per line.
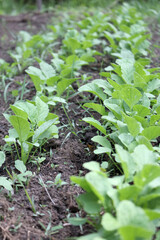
<point x="133" y="221"/>
<point x="126" y="139"/>
<point x="42" y="129"/>
<point x="92" y="166"/>
<point x="146" y="175"/>
<point x="141" y="110"/>
<point x="109" y="222"/>
<point x="77" y="221"/>
<point x="111" y="40"/>
<point x="95" y="123"/>
<point x="89" y="202"/>
<point x="2" y="158"/>
<point x="140" y="79"/>
<point x="29" y="108"/>
<point x="96" y="107"/>
<point x="130" y="192"/>
<point x="142" y="156"/>
<point x="47" y="70"/>
<point x="143" y="140"/>
<point x="130" y="95"/>
<point x="102" y="141"/>
<point x="152" y="213"/>
<point x="20" y="166"/>
<point x="42" y="109"/>
<point x="81" y="181"/>
<point x="151" y="132"/>
<point x="72" y="44"/>
<point x="127" y="69"/>
<point x="5" y="183"/>
<point x="93" y="88"/>
<point x="36" y="76"/>
<point x="127" y="162"/>
<point x="19" y="112"/>
<point x="99" y="184"/>
<point x="154" y="119"/>
<point x="63" y="84"/>
<point x="115" y="108"/>
<point x="22" y="127"/>
<point x="132" y="124"/>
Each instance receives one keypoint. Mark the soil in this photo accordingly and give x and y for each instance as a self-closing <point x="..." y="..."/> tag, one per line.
<point x="65" y="155"/>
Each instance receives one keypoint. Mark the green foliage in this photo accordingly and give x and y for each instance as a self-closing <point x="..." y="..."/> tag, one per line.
<point x="124" y="205"/>
<point x="32" y="126"/>
<point x="129" y="205"/>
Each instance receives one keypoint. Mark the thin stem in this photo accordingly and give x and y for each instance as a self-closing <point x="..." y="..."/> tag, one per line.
<point x="46" y="190"/>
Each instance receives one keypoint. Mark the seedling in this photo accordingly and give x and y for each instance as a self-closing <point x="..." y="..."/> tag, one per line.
<point x="33" y="125"/>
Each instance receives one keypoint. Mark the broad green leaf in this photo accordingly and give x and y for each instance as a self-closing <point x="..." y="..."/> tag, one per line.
<point x="143" y="140"/>
<point x="152" y="213"/>
<point x="127" y="69"/>
<point x="36" y="76"/>
<point x="39" y="131"/>
<point x="133" y="221"/>
<point x="135" y="233"/>
<point x="29" y="108"/>
<point x="47" y="70"/>
<point x="97" y="107"/>
<point x="50" y="133"/>
<point x="52" y="81"/>
<point x="111" y="40"/>
<point x="19" y="112"/>
<point x="95" y="123"/>
<point x="2" y="158"/>
<point x="102" y="141"/>
<point x="109" y="222"/>
<point x="101" y="150"/>
<point x="89" y="202"/>
<point x="96" y="236"/>
<point x="153" y="85"/>
<point x="130" y="95"/>
<point x="151" y="132"/>
<point x="140" y="79"/>
<point x="141" y="110"/>
<point x="114" y="108"/>
<point x="130" y="192"/>
<point x="71" y="59"/>
<point x="142" y="156"/>
<point x="72" y="44"/>
<point x="42" y="110"/>
<point x="127" y="162"/>
<point x="99" y="184"/>
<point x="5" y="183"/>
<point x="92" y="166"/>
<point x="93" y="88"/>
<point x="64" y="84"/>
<point x="146" y="175"/>
<point x="81" y="181"/>
<point x="22" y="127"/>
<point x="154" y="119"/>
<point x="20" y="166"/>
<point x="77" y="221"/>
<point x="126" y="139"/>
<point x="114" y="84"/>
<point x="132" y="124"/>
<point x="143" y="121"/>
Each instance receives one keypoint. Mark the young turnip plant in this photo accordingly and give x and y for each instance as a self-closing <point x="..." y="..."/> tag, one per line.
<point x="32" y="125"/>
